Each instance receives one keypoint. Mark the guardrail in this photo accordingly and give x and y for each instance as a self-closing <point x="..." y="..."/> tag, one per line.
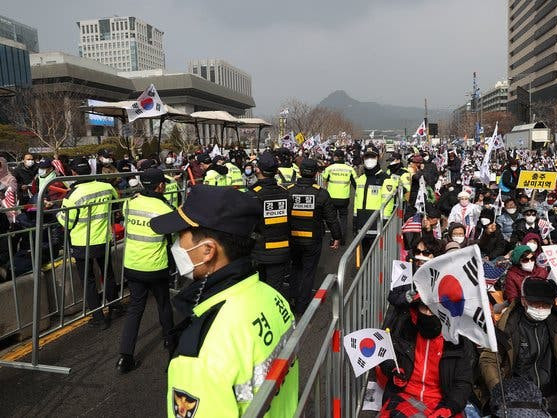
<point x="331" y="390"/>
<point x="57" y="299"/>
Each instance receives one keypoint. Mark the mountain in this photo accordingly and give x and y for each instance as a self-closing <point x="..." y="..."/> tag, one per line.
<point x="372" y="115"/>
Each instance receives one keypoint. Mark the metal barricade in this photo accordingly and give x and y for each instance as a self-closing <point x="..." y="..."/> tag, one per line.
<point x="67" y="300"/>
<point x="331" y="390"/>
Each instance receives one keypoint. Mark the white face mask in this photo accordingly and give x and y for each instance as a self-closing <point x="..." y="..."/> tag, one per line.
<point x="464" y="203"/>
<point x="514" y="168"/>
<point x="182" y="259"/>
<point x="533" y="246"/>
<point x="485" y="221"/>
<point x="106" y="160"/>
<point x="28" y="163"/>
<point x="42" y="172"/>
<point x="370" y="163"/>
<point x="169" y="160"/>
<point x="538" y="314"/>
<point x="530" y="219"/>
<point x="426" y="158"/>
<point x="529" y="266"/>
<point x="511" y="211"/>
<point x="458" y="240"/>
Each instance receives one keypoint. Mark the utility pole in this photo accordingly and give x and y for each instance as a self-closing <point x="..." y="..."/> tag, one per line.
<point x="475" y="104"/>
<point x="426" y="121"/>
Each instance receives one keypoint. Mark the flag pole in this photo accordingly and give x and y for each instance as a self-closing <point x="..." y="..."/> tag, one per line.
<point x="501" y="383"/>
<point x="392" y="349"/>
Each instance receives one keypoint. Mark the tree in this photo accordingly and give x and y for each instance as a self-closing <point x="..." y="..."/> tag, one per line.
<point x="546" y="112"/>
<point x="15" y="143"/>
<point x="183" y="138"/>
<point x="506" y="122"/>
<point x="53" y="117"/>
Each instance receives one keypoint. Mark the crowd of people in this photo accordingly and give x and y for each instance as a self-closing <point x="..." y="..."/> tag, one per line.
<point x="288" y="197"/>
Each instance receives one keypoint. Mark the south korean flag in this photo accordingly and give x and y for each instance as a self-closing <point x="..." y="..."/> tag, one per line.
<point x="367" y="348"/>
<point x="453" y="287"/>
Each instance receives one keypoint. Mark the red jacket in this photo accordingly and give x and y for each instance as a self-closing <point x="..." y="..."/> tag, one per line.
<point x="515" y="277"/>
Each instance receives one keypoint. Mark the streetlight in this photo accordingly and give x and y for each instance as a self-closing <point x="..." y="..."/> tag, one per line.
<point x="529" y="91"/>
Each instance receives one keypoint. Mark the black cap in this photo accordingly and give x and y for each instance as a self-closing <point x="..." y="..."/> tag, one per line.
<point x="396" y="156"/>
<point x="104" y="153"/>
<point x="220" y="208"/>
<point x="371" y="152"/>
<point x="339" y="153"/>
<point x="145" y="164"/>
<point x="536" y="289"/>
<point x="152" y="177"/>
<point x="204" y="159"/>
<point x="45" y="163"/>
<point x="267" y="163"/>
<point x="308" y="167"/>
<point x="80" y="165"/>
<point x="218" y="158"/>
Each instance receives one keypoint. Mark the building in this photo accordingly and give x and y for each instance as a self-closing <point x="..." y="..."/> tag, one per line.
<point x="88" y="79"/>
<point x="222" y="73"/>
<point x="15" y="71"/>
<point x="532" y="58"/>
<point x="495" y="99"/>
<point x="124" y="43"/>
<point x="18" y="32"/>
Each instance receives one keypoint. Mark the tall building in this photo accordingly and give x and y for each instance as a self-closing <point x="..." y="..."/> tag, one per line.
<point x="532" y="37"/>
<point x="14" y="64"/>
<point x="222" y="73"/>
<point x="26" y="35"/>
<point x="124" y="43"/>
<point x="495" y="99"/>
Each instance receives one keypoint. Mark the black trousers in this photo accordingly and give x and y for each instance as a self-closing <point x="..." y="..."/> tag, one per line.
<point x="305" y="259"/>
<point x="88" y="280"/>
<point x="342" y="214"/>
<point x="138" y="298"/>
<point x="274" y="275"/>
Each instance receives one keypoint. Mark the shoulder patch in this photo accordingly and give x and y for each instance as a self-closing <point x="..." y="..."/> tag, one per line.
<point x="257" y="189"/>
<point x="317" y="186"/>
<point x="184" y="404"/>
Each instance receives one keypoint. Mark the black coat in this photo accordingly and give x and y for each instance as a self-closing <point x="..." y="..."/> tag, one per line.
<point x="456" y="368"/>
<point x="454" y="166"/>
<point x="493" y="245"/>
<point x="509" y="178"/>
<point x="520" y="231"/>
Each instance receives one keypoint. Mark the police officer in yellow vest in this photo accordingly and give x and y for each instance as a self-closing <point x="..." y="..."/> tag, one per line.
<point x="371" y="192"/>
<point x="172" y="191"/>
<point x="235" y="325"/>
<point x="339" y="176"/>
<point x="215" y="173"/>
<point x="89" y="227"/>
<point x="311" y="205"/>
<point x="397" y="171"/>
<point x="287" y="171"/>
<point x="234" y="176"/>
<point x="272" y="249"/>
<point x="145" y="264"/>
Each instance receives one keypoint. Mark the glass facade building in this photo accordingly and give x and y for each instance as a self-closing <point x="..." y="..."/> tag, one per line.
<point x="26" y="35"/>
<point x="15" y="70"/>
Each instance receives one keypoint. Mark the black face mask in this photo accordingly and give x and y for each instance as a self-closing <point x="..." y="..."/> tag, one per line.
<point x="429" y="326"/>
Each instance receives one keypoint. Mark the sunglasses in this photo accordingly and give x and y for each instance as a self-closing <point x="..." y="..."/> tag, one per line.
<point x="427" y="253"/>
<point x="527" y="259"/>
<point x="529" y="213"/>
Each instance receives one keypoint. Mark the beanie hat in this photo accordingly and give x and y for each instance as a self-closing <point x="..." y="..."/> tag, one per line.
<point x="518" y="252"/>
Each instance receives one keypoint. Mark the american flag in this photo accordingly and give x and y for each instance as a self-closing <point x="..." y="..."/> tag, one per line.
<point x="10" y="201"/>
<point x="59" y="167"/>
<point x="413" y="224"/>
<point x="492" y="273"/>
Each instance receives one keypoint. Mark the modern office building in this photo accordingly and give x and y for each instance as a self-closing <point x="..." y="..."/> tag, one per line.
<point x="124" y="43"/>
<point x="14" y="65"/>
<point x="532" y="54"/>
<point x="88" y="79"/>
<point x="495" y="99"/>
<point x="18" y="32"/>
<point x="222" y="73"/>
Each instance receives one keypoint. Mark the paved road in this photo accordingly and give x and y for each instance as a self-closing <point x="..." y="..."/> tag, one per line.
<point x="94" y="389"/>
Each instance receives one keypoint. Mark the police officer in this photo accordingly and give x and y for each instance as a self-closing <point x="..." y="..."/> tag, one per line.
<point x="339" y="176"/>
<point x="272" y="249"/>
<point x="235" y="325"/>
<point x="287" y="173"/>
<point x="311" y="205"/>
<point x="370" y="193"/>
<point x="215" y="174"/>
<point x="397" y="171"/>
<point x="234" y="176"/>
<point x="89" y="227"/>
<point x="145" y="263"/>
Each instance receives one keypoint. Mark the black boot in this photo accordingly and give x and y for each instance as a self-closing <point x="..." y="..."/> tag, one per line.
<point x="126" y="363"/>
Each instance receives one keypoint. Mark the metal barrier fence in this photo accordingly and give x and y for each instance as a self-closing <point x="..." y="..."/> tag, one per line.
<point x="58" y="296"/>
<point x="331" y="390"/>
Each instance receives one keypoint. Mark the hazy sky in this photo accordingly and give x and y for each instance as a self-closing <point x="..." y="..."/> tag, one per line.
<point x="389" y="51"/>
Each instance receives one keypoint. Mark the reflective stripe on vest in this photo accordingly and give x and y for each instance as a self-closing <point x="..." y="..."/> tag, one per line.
<point x="302" y="213"/>
<point x="145" y="238"/>
<point x="276" y="244"/>
<point x="244" y="391"/>
<point x="93" y="217"/>
<point x="303" y="234"/>
<point x="279" y="220"/>
<point x="84" y="199"/>
<point x="142" y="213"/>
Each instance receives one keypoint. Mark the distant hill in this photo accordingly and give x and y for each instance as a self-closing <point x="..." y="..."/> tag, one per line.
<point x="372" y="115"/>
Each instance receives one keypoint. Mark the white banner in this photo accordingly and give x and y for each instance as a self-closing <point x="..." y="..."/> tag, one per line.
<point x="453" y="287"/>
